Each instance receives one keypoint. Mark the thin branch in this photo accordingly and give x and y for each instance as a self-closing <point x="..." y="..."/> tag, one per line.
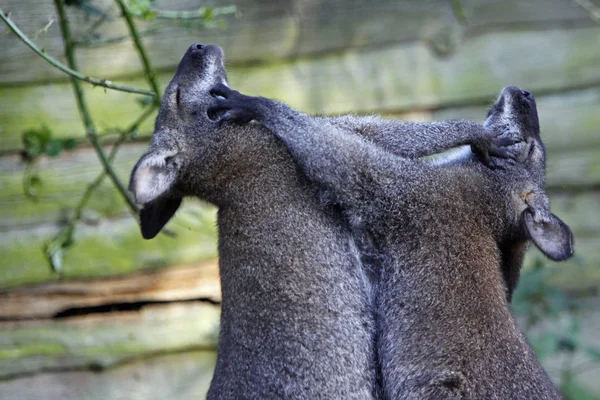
<point x="69" y="70"/>
<point x="141" y="50"/>
<point x="65" y="236"/>
<point x="85" y="115"/>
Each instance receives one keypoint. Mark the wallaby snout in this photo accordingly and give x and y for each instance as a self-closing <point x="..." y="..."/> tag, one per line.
<point x="198" y="57"/>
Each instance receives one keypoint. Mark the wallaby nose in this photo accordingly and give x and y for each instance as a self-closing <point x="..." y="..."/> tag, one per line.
<point x="197" y="47"/>
<point x="525" y="93"/>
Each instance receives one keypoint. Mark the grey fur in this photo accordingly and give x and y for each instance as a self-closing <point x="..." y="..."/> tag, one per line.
<point x="440" y="235"/>
<point x="295" y="321"/>
<point x="297" y="318"/>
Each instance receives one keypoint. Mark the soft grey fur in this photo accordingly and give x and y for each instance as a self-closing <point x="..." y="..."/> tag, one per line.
<point x="297" y="318"/>
<point x="444" y="327"/>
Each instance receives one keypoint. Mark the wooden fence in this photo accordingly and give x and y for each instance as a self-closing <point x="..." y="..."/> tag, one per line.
<point x="420" y="60"/>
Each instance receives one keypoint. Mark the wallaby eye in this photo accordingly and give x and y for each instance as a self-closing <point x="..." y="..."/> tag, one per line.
<point x="531" y="149"/>
<point x="177" y="97"/>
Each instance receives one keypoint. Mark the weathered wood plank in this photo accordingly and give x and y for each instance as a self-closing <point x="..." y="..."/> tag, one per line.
<point x="568" y="120"/>
<point x="579" y="273"/>
<point x="580" y="210"/>
<point x="65" y="178"/>
<point x="110" y="247"/>
<point x="98" y="341"/>
<point x="396" y="78"/>
<point x="116" y="247"/>
<point x="267" y="30"/>
<point x="176" y="283"/>
<point x="184" y="375"/>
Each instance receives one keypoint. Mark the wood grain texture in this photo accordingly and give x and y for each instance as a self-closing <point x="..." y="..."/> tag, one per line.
<point x="102" y="341"/>
<point x="269" y="30"/>
<point x="399" y="77"/>
<point x="184" y="375"/>
<point x="176" y="283"/>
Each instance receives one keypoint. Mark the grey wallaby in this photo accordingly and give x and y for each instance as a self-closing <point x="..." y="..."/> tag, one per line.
<point x="297" y="318"/>
<point x="444" y="329"/>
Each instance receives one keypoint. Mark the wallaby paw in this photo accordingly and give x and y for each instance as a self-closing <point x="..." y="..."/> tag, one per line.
<point x="230" y="106"/>
<point x="503" y="149"/>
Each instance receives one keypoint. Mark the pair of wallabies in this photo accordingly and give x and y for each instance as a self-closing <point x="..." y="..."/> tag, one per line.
<point x="350" y="268"/>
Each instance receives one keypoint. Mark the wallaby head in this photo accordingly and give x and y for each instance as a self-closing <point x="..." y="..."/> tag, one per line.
<point x="515" y="115"/>
<point x="182" y="140"/>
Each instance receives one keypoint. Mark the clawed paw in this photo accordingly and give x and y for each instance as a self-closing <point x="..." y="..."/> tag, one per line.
<point x="230" y="106"/>
<point x="497" y="151"/>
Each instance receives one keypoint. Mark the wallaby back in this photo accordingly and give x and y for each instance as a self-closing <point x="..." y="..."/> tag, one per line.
<point x="444" y="326"/>
<point x="296" y="314"/>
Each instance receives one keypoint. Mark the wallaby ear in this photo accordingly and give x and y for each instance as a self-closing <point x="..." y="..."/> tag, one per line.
<point x="553" y="237"/>
<point x="153" y="176"/>
<point x="156" y="214"/>
<point x="152" y="180"/>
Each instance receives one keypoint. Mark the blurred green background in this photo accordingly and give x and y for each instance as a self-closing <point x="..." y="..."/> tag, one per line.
<point x="89" y="310"/>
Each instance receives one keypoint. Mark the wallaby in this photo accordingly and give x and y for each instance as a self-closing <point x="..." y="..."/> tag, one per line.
<point x="444" y="329"/>
<point x="297" y="318"/>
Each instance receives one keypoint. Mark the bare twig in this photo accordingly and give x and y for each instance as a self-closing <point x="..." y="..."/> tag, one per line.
<point x="142" y="51"/>
<point x="83" y="108"/>
<point x="65" y="236"/>
<point x="45" y="28"/>
<point x="68" y="70"/>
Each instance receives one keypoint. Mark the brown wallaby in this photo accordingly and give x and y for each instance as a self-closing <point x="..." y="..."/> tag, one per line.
<point x="444" y="329"/>
<point x="297" y="313"/>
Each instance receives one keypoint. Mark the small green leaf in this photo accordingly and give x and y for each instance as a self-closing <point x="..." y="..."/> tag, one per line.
<point x="145" y="101"/>
<point x="208" y="15"/>
<point x="35" y="181"/>
<point x="69" y="143"/>
<point x="35" y="140"/>
<point x="149" y="15"/>
<point x="54" y="147"/>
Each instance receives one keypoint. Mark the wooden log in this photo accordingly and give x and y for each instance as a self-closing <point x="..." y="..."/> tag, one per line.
<point x="568" y="120"/>
<point x="115" y="248"/>
<point x="183" y="375"/>
<point x="176" y="283"/>
<point x="109" y="243"/>
<point x="98" y="341"/>
<point x="111" y="247"/>
<point x="580" y="273"/>
<point x="395" y="78"/>
<point x="266" y="30"/>
<point x="64" y="179"/>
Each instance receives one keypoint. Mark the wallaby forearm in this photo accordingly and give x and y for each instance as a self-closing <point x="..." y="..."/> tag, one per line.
<point x="412" y="139"/>
<point x="326" y="153"/>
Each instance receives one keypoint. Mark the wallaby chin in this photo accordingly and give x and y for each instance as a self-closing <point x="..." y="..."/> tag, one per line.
<point x="553" y="237"/>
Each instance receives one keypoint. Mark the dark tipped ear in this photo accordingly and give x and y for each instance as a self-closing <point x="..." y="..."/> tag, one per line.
<point x="156" y="214"/>
<point x="154" y="176"/>
<point x="553" y="238"/>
